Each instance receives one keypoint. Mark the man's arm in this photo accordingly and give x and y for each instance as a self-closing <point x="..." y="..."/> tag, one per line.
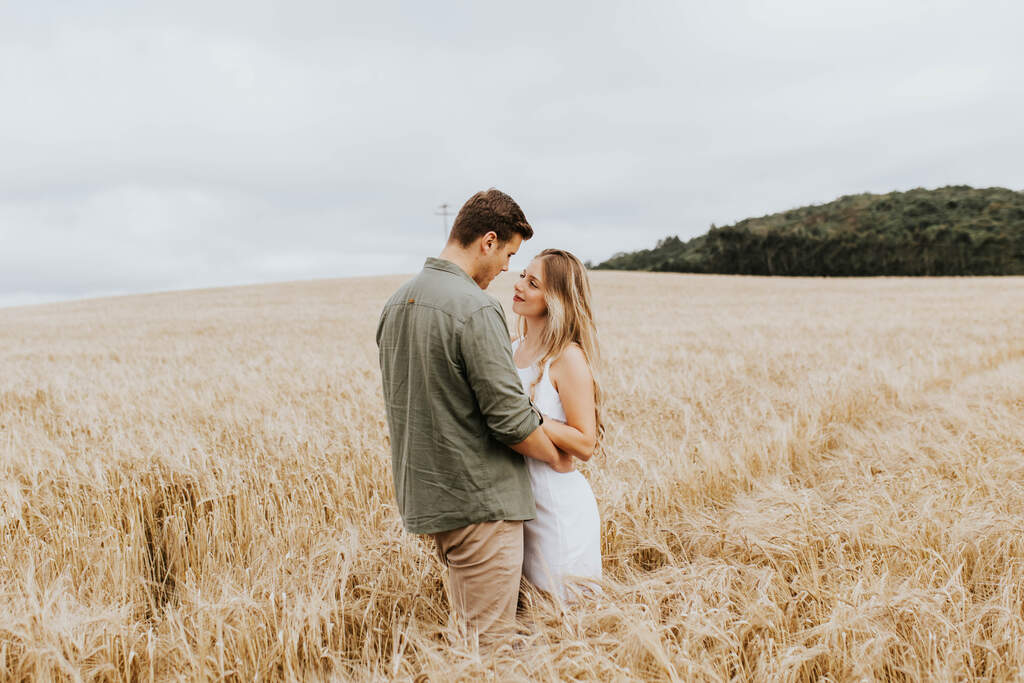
<point x="540" y="447"/>
<point x="487" y="359"/>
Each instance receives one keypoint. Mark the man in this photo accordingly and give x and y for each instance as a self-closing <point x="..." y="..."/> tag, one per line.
<point x="458" y="417"/>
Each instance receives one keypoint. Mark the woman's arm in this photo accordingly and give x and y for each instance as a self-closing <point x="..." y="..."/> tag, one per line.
<point x="540" y="446"/>
<point x="574" y="382"/>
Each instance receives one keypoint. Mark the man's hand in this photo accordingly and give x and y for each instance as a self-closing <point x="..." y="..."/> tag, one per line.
<point x="563" y="463"/>
<point x="539" y="447"/>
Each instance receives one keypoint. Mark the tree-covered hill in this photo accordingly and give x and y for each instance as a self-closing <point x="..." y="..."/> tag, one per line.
<point x="956" y="230"/>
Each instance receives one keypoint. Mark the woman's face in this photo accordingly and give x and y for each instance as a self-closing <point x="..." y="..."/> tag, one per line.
<point x="528" y="293"/>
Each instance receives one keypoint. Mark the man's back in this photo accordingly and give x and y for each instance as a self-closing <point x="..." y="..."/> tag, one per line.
<point x="454" y="404"/>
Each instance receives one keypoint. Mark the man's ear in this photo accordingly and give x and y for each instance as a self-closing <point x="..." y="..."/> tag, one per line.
<point x="489" y="241"/>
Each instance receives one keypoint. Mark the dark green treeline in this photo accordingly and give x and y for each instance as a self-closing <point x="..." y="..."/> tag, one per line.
<point x="956" y="230"/>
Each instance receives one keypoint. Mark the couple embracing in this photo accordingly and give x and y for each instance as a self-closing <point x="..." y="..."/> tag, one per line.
<point x="485" y="432"/>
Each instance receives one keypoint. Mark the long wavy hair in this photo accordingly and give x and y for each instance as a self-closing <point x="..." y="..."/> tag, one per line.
<point x="570" y="319"/>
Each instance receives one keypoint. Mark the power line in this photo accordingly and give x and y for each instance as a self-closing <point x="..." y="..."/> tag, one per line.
<point x="443" y="212"/>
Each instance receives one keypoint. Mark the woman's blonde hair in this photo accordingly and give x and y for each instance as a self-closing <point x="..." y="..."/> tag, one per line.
<point x="570" y="318"/>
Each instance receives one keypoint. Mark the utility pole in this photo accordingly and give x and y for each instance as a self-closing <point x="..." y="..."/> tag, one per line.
<point x="443" y="211"/>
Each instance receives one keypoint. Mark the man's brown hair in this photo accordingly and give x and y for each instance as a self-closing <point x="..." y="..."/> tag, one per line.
<point x="486" y="211"/>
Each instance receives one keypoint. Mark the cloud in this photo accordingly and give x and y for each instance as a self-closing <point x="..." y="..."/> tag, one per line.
<point x="200" y="144"/>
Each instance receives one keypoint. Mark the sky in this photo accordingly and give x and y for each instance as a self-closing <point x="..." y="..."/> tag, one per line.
<point x="159" y="146"/>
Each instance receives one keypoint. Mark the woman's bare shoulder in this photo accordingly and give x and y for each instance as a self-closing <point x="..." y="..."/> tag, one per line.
<point x="573" y="353"/>
<point x="571" y="362"/>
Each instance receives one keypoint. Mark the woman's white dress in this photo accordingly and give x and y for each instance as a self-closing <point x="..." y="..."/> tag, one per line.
<point x="564" y="541"/>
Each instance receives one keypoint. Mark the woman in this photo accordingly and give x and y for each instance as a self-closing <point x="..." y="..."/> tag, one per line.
<point x="555" y="353"/>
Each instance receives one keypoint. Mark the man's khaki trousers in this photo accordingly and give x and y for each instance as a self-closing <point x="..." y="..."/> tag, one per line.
<point x="485" y="563"/>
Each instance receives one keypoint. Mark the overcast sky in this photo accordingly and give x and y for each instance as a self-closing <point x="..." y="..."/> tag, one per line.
<point x="155" y="146"/>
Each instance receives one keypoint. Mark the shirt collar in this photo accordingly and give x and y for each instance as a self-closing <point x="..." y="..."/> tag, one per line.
<point x="448" y="267"/>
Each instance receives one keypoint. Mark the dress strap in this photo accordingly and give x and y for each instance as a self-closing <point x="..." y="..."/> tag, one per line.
<point x="546" y="374"/>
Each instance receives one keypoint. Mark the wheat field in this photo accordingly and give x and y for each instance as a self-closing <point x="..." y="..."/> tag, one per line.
<point x="804" y="479"/>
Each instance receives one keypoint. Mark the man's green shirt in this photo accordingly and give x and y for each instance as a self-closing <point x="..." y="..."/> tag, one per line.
<point x="454" y="402"/>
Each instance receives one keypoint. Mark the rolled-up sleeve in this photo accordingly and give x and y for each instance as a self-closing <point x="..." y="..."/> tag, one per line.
<point x="487" y="359"/>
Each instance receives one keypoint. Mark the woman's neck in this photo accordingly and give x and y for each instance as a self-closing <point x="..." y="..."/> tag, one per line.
<point x="534" y="335"/>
